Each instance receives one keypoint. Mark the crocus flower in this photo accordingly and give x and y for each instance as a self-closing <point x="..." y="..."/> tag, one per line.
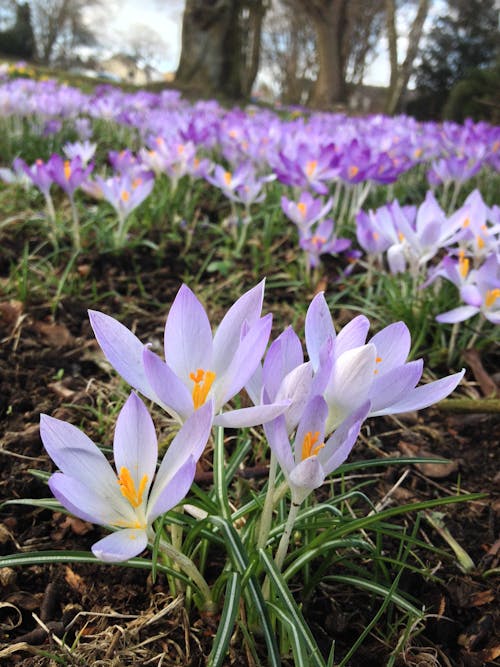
<point x="197" y="366"/>
<point x="128" y="499"/>
<point x="82" y="149"/>
<point x="68" y="174"/>
<point x="481" y="294"/>
<point x="351" y="371"/>
<point x="310" y="459"/>
<point x="322" y="241"/>
<point x="306" y="211"/>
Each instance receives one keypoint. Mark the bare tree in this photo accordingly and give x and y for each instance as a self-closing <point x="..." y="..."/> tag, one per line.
<point x="400" y="73"/>
<point x="146" y="46"/>
<point x="59" y="27"/>
<point x="221" y="45"/>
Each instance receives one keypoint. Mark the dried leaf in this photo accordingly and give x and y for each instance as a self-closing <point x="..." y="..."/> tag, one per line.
<point x="482" y="597"/>
<point x="484" y="380"/>
<point x="432" y="470"/>
<point x="56" y="335"/>
<point x="74" y="580"/>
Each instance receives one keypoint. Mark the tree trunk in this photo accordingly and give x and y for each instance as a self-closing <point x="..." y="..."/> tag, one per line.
<point x="329" y="19"/>
<point x="253" y="40"/>
<point x="400" y="75"/>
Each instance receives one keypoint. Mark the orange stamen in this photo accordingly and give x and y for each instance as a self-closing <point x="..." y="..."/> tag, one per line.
<point x="203" y="381"/>
<point x="311" y="167"/>
<point x="463" y="264"/>
<point x="353" y="171"/>
<point x="227" y="177"/>
<point x="491" y="296"/>
<point x="308" y="445"/>
<point x="302" y="208"/>
<point x="67" y="169"/>
<point x="127" y="487"/>
<point x="125" y="195"/>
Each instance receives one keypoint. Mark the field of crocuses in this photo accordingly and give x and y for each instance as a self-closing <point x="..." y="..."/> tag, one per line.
<point x="249" y="386"/>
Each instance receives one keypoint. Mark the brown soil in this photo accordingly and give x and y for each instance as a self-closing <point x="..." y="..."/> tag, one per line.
<point x="120" y="617"/>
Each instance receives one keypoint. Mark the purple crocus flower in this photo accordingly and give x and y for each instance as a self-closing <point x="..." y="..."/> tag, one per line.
<point x="68" y="174"/>
<point x="82" y="149"/>
<point x="481" y="294"/>
<point x="350" y="371"/>
<point x="306" y="211"/>
<point x="310" y="459"/>
<point x="39" y="173"/>
<point x="322" y="241"/>
<point x="198" y="366"/>
<point x="128" y="500"/>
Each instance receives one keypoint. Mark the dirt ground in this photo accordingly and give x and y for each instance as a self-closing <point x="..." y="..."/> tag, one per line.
<point x="53" y="365"/>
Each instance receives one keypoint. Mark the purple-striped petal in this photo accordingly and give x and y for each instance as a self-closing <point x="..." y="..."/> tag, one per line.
<point x="423" y="396"/>
<point x="188" y="336"/>
<point x="254" y="416"/>
<point x="172" y="393"/>
<point x="227" y="337"/>
<point x="169" y="495"/>
<point x="318" y="328"/>
<point x="120" y="546"/>
<point x="135" y="444"/>
<point x="393" y="346"/>
<point x="123" y="350"/>
<point x="395" y="384"/>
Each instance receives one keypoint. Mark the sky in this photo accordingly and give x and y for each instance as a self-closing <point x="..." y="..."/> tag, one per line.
<point x="164" y="19"/>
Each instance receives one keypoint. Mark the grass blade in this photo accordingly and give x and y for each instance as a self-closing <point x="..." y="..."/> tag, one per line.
<point x="227" y="621"/>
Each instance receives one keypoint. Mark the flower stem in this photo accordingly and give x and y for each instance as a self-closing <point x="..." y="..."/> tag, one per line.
<point x="285" y="538"/>
<point x="189" y="568"/>
<point x="267" y="512"/>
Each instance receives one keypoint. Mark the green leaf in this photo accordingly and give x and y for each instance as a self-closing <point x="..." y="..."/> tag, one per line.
<point x="227" y="621"/>
<point x="292" y="609"/>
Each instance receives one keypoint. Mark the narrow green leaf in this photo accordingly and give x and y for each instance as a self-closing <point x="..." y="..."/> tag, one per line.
<point x="293" y="610"/>
<point x="227" y="621"/>
<point x="299" y="649"/>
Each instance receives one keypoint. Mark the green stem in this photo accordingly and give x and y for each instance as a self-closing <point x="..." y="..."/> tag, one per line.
<point x="76" y="226"/>
<point x="189" y="568"/>
<point x="267" y="512"/>
<point x="285" y="538"/>
<point x="219" y="475"/>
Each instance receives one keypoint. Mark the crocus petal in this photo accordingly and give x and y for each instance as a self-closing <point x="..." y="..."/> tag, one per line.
<point x="135" y="444"/>
<point x="352" y="335"/>
<point x="169" y="495"/>
<point x="120" y="546"/>
<point x="244" y="362"/>
<point x="393" y="346"/>
<point x="313" y="421"/>
<point x="339" y="446"/>
<point x="296" y="388"/>
<point x="172" y="393"/>
<point x="305" y="477"/>
<point x="396" y="258"/>
<point x="423" y="396"/>
<point x="227" y="337"/>
<point x="284" y="354"/>
<point x="106" y="508"/>
<point x="390" y="387"/>
<point x="254" y="416"/>
<point x="123" y="350"/>
<point x="350" y="383"/>
<point x="189" y="442"/>
<point x="457" y="314"/>
<point x="278" y="440"/>
<point x="75" y="454"/>
<point x="318" y="328"/>
<point x="188" y="336"/>
<point x="471" y="295"/>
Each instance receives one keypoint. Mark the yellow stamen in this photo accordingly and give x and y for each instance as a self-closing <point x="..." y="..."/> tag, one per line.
<point x="233" y="134"/>
<point x="136" y="182"/>
<point x="375" y="236"/>
<point x="203" y="381"/>
<point x="127" y="487"/>
<point x="377" y="361"/>
<point x="311" y="167"/>
<point x="480" y="242"/>
<point x="418" y="152"/>
<point x="227" y="177"/>
<point x="463" y="264"/>
<point x="308" y="445"/>
<point x="466" y="223"/>
<point x="353" y="171"/>
<point x="67" y="169"/>
<point x="180" y="149"/>
<point x="491" y="296"/>
<point x="159" y="141"/>
<point x="302" y="208"/>
<point x="125" y="195"/>
<point x="401" y="236"/>
<point x="318" y="240"/>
